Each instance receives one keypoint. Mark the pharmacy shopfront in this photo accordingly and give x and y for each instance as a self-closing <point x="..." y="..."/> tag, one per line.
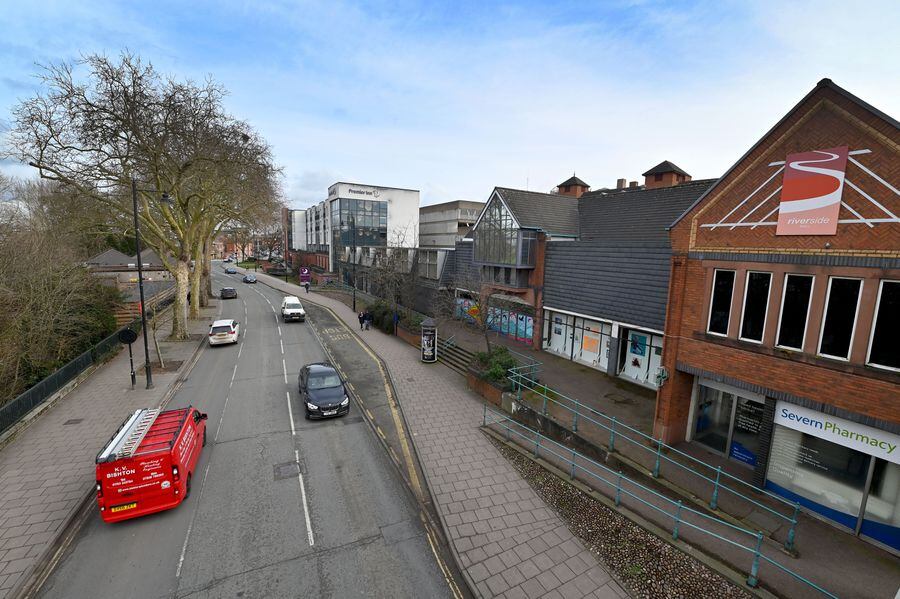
<point x="847" y="472"/>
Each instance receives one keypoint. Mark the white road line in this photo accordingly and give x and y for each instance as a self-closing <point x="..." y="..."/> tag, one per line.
<point x="279" y="328"/>
<point x="276" y="318"/>
<point x="284" y="367"/>
<point x="191" y="524"/>
<point x="240" y="349"/>
<point x="282" y="346"/>
<point x="290" y="412"/>
<point x="222" y="417"/>
<point x="233" y="372"/>
<point x="273" y="308"/>
<point x="309" y="531"/>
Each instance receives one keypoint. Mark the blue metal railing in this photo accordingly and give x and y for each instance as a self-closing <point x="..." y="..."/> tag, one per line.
<point x="677" y="511"/>
<point x="617" y="430"/>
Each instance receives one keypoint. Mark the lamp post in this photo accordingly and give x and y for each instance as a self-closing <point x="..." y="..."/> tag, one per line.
<point x="353" y="258"/>
<point x="137" y="245"/>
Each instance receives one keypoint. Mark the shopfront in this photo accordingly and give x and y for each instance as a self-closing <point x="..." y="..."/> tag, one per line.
<point x="727" y="420"/>
<point x="578" y="339"/>
<point x="847" y="472"/>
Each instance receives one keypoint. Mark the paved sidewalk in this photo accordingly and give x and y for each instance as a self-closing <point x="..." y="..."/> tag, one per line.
<point x="47" y="469"/>
<point x="509" y="542"/>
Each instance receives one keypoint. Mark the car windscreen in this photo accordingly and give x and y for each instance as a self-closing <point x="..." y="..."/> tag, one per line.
<point x="221" y="329"/>
<point x="324" y="381"/>
<point x="293" y="307"/>
<point x="228" y="289"/>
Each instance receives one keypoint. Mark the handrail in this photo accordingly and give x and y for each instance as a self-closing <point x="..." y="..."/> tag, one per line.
<point x="679" y="508"/>
<point x="582" y="412"/>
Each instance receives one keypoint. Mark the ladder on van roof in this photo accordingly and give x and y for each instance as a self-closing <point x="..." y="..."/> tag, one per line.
<point x="129" y="437"/>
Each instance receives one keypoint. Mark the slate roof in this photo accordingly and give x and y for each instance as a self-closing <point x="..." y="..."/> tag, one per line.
<point x="636" y="216"/>
<point x="110" y="257"/>
<point x="573" y="180"/>
<point x="151" y="290"/>
<point x="549" y="212"/>
<point x="665" y="167"/>
<point x="148" y="257"/>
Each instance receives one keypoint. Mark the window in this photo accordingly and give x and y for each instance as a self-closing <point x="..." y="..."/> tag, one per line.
<point x="496" y="238"/>
<point x="794" y="311"/>
<point x="657" y="177"/>
<point x="841" y="305"/>
<point x="720" y="304"/>
<point x="428" y="264"/>
<point x="756" y="305"/>
<point x="884" y="349"/>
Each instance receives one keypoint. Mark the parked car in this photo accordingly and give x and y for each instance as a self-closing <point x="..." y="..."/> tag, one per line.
<point x="224" y="331"/>
<point x="292" y="309"/>
<point x="227" y="260"/>
<point x="230" y="270"/>
<point x="323" y="392"/>
<point x="228" y="293"/>
<point x="249" y="279"/>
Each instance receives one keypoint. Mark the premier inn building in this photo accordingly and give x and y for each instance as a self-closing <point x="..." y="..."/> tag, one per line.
<point x="782" y="333"/>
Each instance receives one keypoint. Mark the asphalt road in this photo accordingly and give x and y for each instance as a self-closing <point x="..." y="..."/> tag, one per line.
<point x="284" y="507"/>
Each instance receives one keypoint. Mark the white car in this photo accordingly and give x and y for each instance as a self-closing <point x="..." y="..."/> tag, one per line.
<point x="292" y="309"/>
<point x="224" y="331"/>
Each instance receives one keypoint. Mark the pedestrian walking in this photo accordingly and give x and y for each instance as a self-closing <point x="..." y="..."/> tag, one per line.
<point x="306" y="286"/>
<point x="362" y="319"/>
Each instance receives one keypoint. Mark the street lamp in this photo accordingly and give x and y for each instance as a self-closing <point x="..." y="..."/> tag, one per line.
<point x="353" y="258"/>
<point x="137" y="244"/>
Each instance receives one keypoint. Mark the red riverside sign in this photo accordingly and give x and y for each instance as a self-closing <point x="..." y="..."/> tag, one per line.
<point x="811" y="192"/>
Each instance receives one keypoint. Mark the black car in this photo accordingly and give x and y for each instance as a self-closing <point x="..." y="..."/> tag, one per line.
<point x="322" y="391"/>
<point x="249" y="279"/>
<point x="228" y="293"/>
<point x="230" y="270"/>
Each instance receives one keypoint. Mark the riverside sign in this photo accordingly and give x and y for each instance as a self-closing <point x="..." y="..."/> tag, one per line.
<point x="860" y="437"/>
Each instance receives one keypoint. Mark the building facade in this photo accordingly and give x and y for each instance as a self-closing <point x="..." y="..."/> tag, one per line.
<point x="781" y="335"/>
<point x="442" y="225"/>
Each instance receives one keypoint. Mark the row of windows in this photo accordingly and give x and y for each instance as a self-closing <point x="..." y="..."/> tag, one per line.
<point x="839" y="320"/>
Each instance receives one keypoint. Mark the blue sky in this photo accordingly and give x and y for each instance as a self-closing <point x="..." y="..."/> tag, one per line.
<point x="454" y="98"/>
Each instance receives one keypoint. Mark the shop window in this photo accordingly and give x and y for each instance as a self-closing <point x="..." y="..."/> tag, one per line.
<point x="756" y="305"/>
<point x="720" y="304"/>
<point x="884" y="349"/>
<point x="841" y="305"/>
<point x="794" y="311"/>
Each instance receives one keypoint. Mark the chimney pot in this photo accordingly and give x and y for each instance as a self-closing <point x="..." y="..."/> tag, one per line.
<point x="620" y="183"/>
<point x="633" y="184"/>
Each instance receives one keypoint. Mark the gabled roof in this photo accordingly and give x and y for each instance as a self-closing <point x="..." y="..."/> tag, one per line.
<point x="573" y="180"/>
<point x="548" y="212"/>
<point x="635" y="216"/>
<point x="665" y="167"/>
<point x="148" y="257"/>
<point x="110" y="257"/>
<point x="824" y="83"/>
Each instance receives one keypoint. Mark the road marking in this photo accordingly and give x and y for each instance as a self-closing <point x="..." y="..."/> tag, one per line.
<point x="240" y="349"/>
<point x="191" y="524"/>
<point x="279" y="327"/>
<point x="222" y="417"/>
<point x="290" y="413"/>
<point x="447" y="576"/>
<point x="284" y="367"/>
<point x="273" y="307"/>
<point x="233" y="372"/>
<point x="276" y="318"/>
<point x="309" y="531"/>
<point x="282" y="346"/>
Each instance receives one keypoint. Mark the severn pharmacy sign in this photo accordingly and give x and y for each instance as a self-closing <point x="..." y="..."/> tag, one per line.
<point x="860" y="437"/>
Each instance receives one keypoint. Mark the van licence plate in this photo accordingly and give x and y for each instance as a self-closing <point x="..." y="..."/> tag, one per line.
<point x="122" y="508"/>
<point x="330" y="413"/>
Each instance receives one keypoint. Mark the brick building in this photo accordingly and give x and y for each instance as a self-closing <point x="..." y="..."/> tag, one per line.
<point x="782" y="333"/>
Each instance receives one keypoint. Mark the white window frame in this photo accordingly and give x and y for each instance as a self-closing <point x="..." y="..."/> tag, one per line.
<point x="825" y="318"/>
<point x="712" y="293"/>
<point x="812" y="289"/>
<point x="744" y="307"/>
<point x="875" y="324"/>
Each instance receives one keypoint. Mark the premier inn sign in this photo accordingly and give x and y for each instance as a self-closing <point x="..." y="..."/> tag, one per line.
<point x="860" y="437"/>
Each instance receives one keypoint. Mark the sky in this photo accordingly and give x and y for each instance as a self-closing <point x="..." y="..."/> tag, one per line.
<point x="455" y="98"/>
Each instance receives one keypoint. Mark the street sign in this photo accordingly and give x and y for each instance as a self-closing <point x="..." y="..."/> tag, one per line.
<point x="127" y="336"/>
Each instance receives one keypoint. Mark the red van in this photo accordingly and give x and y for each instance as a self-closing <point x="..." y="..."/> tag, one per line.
<point x="147" y="465"/>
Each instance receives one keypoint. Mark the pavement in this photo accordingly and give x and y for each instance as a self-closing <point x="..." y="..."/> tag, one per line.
<point x="508" y="541"/>
<point x="47" y="469"/>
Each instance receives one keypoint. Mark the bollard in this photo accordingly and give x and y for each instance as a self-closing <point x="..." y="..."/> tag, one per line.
<point x="714" y="502"/>
<point x="677" y="521"/>
<point x="789" y="543"/>
<point x="612" y="435"/>
<point x="572" y="474"/>
<point x="619" y="489"/>
<point x="575" y="418"/>
<point x="753" y="579"/>
<point x="658" y="453"/>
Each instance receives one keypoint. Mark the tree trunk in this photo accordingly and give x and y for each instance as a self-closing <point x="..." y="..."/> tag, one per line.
<point x="195" y="282"/>
<point x="205" y="279"/>
<point x="179" y="312"/>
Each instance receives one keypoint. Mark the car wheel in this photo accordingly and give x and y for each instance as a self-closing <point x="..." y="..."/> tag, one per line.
<point x="187" y="487"/>
<point x="204" y="436"/>
<point x="307" y="416"/>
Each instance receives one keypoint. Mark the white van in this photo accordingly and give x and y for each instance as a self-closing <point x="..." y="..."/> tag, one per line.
<point x="292" y="309"/>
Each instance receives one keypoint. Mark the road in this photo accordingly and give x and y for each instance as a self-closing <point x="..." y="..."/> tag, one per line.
<point x="285" y="507"/>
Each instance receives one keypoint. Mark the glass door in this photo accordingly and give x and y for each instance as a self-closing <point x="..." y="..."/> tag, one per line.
<point x="881" y="520"/>
<point x="714" y="412"/>
<point x="748" y="417"/>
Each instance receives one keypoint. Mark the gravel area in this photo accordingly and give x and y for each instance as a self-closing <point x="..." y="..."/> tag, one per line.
<point x="648" y="566"/>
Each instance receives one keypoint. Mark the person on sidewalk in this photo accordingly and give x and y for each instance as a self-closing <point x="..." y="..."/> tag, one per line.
<point x="306" y="286"/>
<point x="362" y="319"/>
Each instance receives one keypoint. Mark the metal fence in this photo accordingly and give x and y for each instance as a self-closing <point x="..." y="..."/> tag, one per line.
<point x="13" y="411"/>
<point x="620" y="487"/>
<point x="721" y="481"/>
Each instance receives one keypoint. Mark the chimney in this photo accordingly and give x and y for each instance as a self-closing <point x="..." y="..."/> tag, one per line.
<point x="573" y="186"/>
<point x="620" y="183"/>
<point x="665" y="174"/>
<point x="633" y="185"/>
